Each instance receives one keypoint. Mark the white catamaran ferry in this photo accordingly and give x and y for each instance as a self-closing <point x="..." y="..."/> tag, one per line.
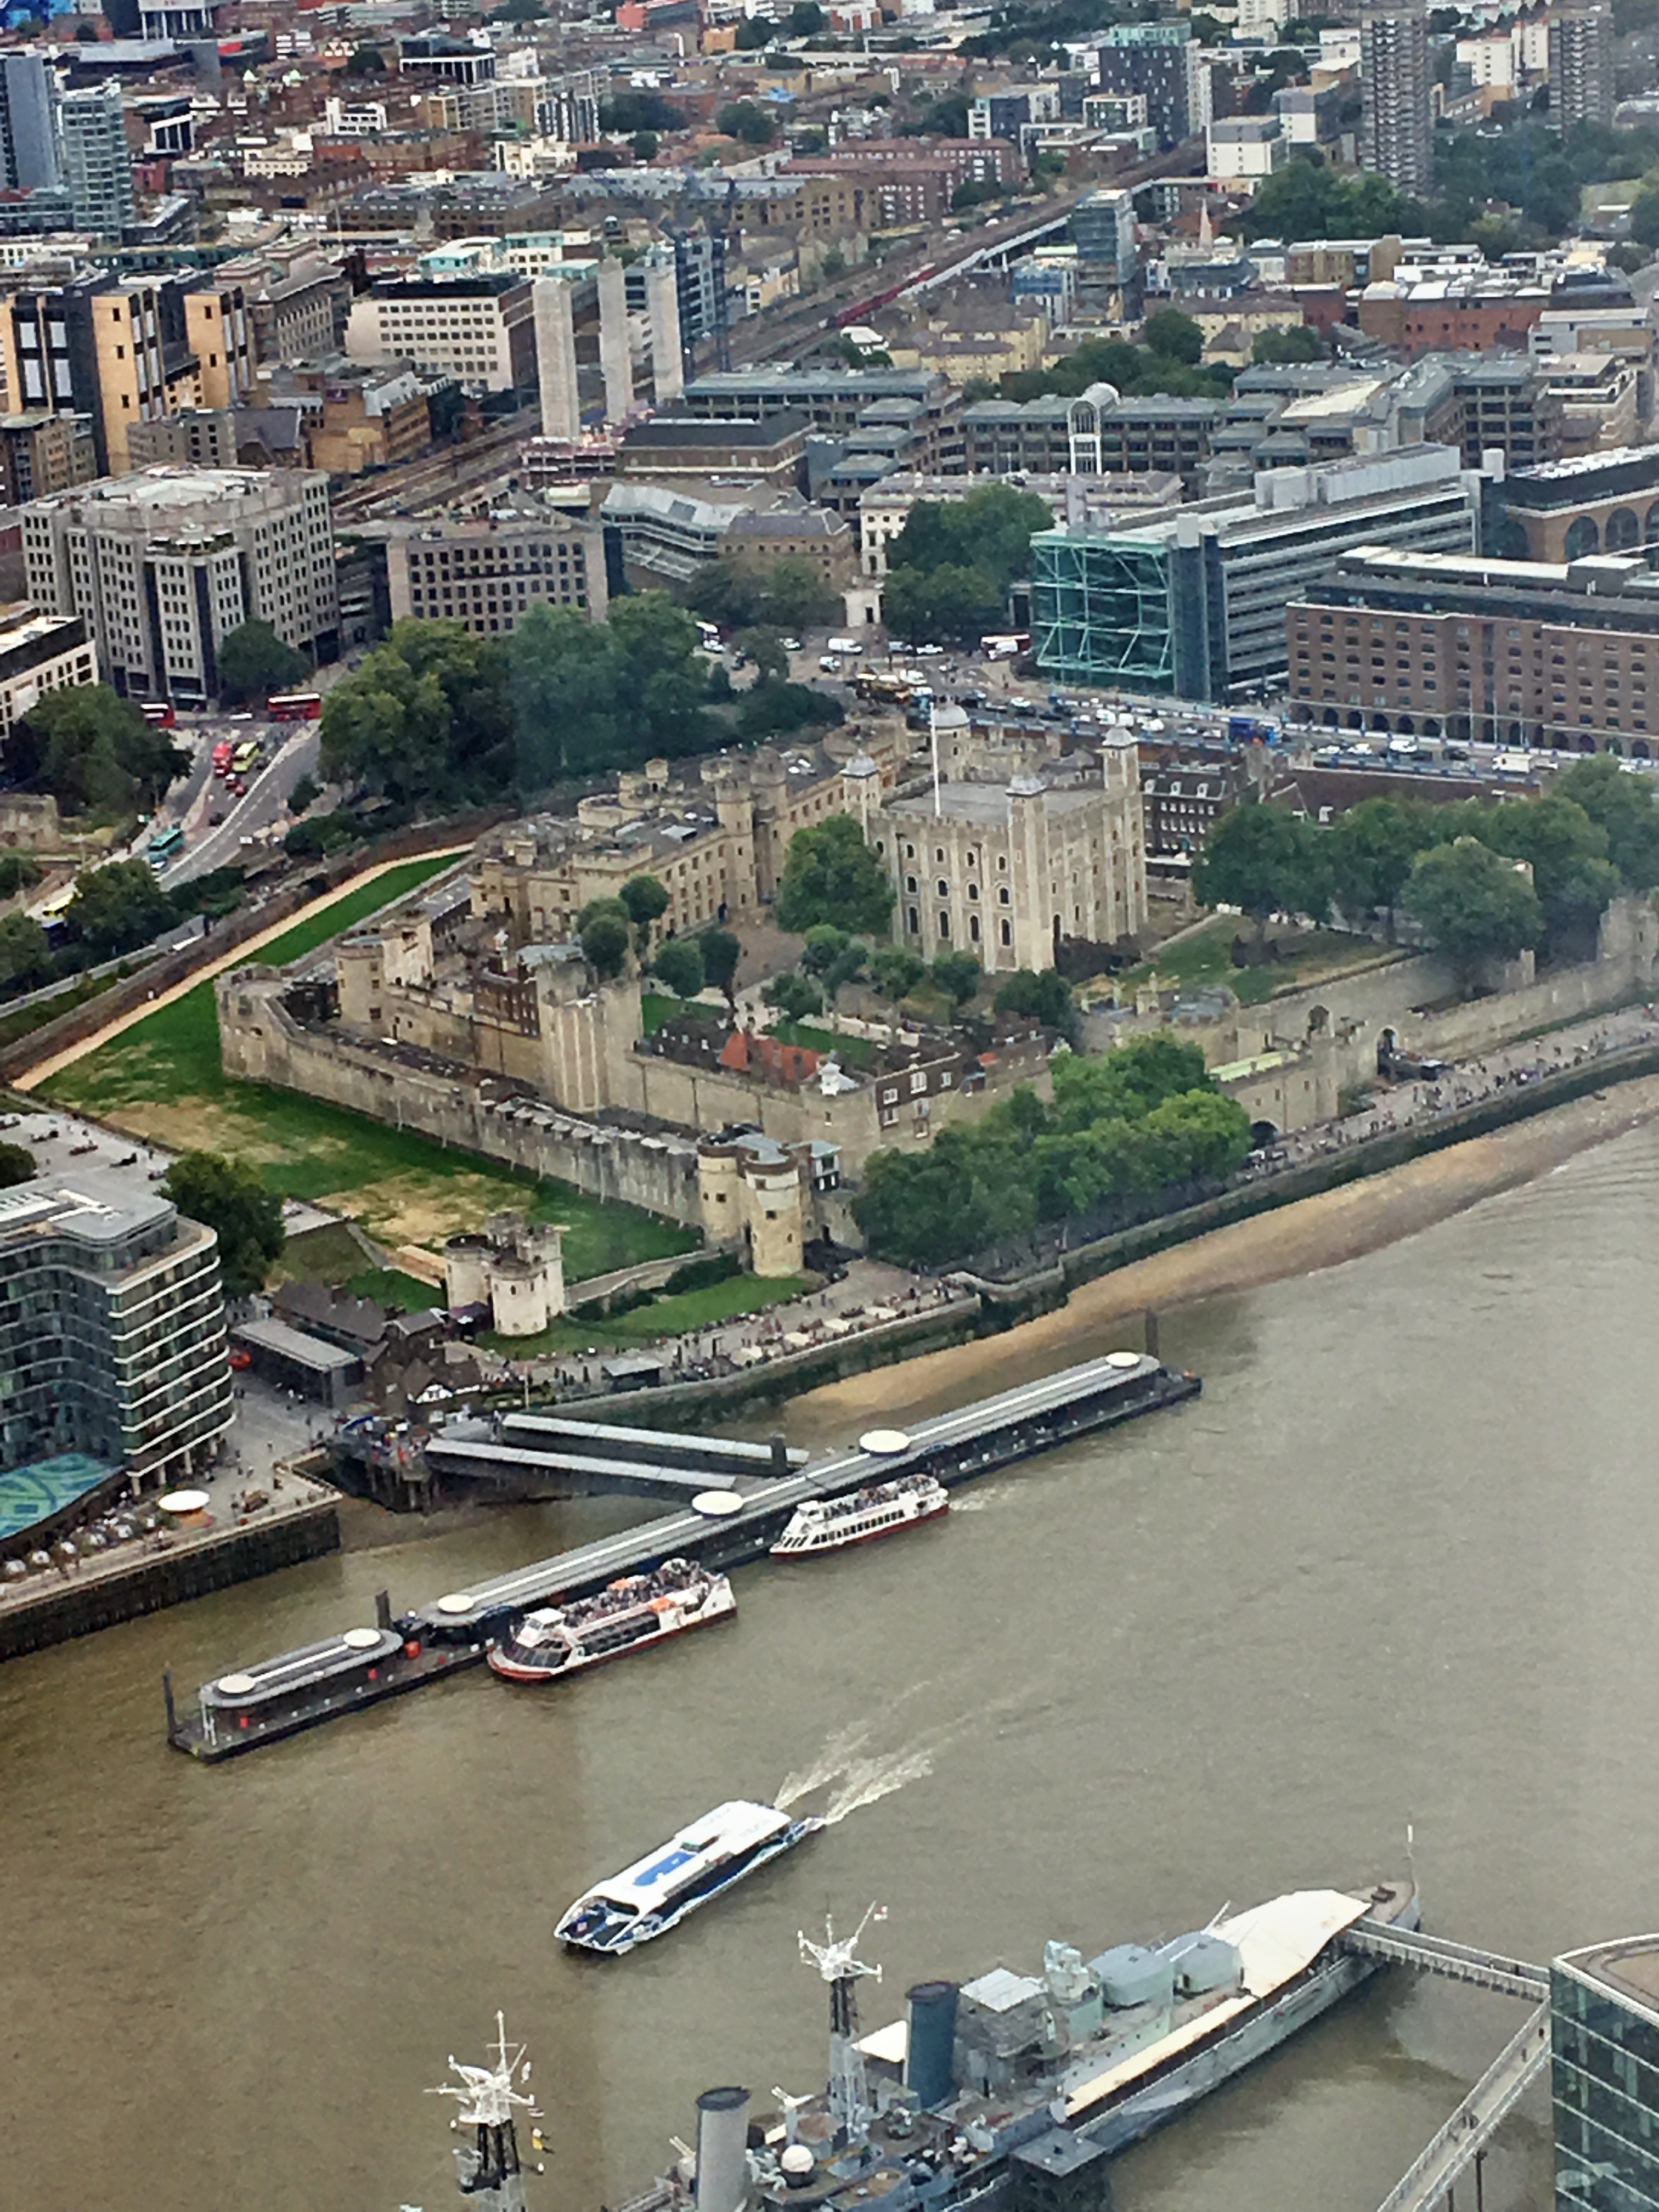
<point x="638" y="1610"/>
<point x="657" y="1891"/>
<point x="828" y="1524"/>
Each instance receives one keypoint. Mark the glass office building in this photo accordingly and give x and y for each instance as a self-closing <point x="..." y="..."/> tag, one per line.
<point x="1604" y="2068"/>
<point x="112" y="1329"/>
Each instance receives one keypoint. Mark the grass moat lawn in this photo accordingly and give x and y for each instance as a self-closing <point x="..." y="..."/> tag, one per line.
<point x="711" y="1306"/>
<point x="163" y="1079"/>
<point x="1309" y="956"/>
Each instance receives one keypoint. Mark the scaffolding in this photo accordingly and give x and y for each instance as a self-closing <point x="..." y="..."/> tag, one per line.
<point x="1100" y="610"/>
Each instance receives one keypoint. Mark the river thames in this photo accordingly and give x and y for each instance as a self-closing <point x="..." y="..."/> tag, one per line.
<point x="1394" y="1565"/>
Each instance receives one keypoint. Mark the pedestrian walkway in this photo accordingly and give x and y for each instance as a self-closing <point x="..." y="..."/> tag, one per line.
<point x="1468" y="2134"/>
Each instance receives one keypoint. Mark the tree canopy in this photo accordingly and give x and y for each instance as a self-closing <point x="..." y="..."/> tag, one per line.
<point x="830" y="874"/>
<point x="1264" y="860"/>
<point x="254" y="661"/>
<point x="17" y="1165"/>
<point x="118" y="908"/>
<point x="789" y="594"/>
<point x="1136" y="371"/>
<point x="679" y="961"/>
<point x="603" y="928"/>
<point x="1476" y="907"/>
<point x="949" y="568"/>
<point x="92" y="751"/>
<point x="227" y="1197"/>
<point x="1144" y="1120"/>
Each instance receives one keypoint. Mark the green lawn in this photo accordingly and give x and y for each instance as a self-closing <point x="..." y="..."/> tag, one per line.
<point x="657" y="1008"/>
<point x="854" y="1051"/>
<point x="1206" y="957"/>
<point x="163" y="1079"/>
<point x="689" y="1310"/>
<point x="26" y="1018"/>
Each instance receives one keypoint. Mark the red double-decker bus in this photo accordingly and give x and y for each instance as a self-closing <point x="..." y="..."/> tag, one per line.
<point x="295" y="707"/>
<point x="160" y="713"/>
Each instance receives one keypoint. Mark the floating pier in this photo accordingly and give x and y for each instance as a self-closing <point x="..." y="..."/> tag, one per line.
<point x="750" y="1497"/>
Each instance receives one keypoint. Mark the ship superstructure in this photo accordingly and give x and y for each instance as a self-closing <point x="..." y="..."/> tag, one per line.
<point x="1016" y="2090"/>
<point x="858" y="1517"/>
<point x="633" y="1612"/>
<point x="699" y="1861"/>
<point x="487" y="2168"/>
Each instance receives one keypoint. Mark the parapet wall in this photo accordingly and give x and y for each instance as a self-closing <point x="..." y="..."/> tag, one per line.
<point x="262" y="1042"/>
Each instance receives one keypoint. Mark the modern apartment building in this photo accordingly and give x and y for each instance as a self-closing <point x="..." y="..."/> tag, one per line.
<point x="162" y="563"/>
<point x="1162" y="62"/>
<point x="479" y="329"/>
<point x="40" y="652"/>
<point x="97" y="167"/>
<point x="112" y="1329"/>
<point x="1581" y="63"/>
<point x="1561" y="655"/>
<point x="1193" y="605"/>
<point x="488" y="575"/>
<point x="29" y="146"/>
<point x="1396" y="128"/>
<point x="41" y="453"/>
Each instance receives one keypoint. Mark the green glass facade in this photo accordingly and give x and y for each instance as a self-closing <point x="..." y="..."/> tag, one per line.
<point x="1100" y="610"/>
<point x="1604" y="2070"/>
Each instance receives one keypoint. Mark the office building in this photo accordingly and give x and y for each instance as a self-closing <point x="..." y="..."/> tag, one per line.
<point x="161" y="564"/>
<point x="39" y="653"/>
<point x="97" y="167"/>
<point x="1096" y="434"/>
<point x="1194" y="603"/>
<point x="1581" y="65"/>
<point x="1162" y="64"/>
<point x="1597" y="503"/>
<point x="29" y="146"/>
<point x="1396" y="128"/>
<point x="112" y="1329"/>
<point x="479" y="329"/>
<point x="488" y="575"/>
<point x="1561" y="655"/>
<point x="1109" y="283"/>
<point x="1604" y="2075"/>
<point x="41" y="454"/>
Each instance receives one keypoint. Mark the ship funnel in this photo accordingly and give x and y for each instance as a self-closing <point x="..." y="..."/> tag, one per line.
<point x="723" y="2150"/>
<point x="928" y="2048"/>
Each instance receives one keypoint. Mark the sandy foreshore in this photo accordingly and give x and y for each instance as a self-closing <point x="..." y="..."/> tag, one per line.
<point x="1293" y="1240"/>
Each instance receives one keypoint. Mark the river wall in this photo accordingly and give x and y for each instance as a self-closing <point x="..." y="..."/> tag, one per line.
<point x="74" y="1604"/>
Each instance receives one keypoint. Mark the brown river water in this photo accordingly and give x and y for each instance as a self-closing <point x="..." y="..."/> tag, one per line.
<point x="1394" y="1565"/>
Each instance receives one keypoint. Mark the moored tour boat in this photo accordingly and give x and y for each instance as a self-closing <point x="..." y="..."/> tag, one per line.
<point x="634" y="1612"/>
<point x="829" y="1524"/>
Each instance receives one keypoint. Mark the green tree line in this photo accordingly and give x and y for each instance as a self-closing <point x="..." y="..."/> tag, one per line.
<point x="1141" y="1122"/>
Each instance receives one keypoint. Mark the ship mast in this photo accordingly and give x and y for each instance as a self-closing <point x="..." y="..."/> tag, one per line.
<point x="490" y="2175"/>
<point x="850" y="2110"/>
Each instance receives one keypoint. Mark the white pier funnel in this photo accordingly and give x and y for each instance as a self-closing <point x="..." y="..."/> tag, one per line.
<point x="723" y="2150"/>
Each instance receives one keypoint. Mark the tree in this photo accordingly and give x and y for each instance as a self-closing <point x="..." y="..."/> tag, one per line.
<point x="1299" y="343"/>
<point x="602" y="928"/>
<point x="745" y="119"/>
<point x="519" y="11"/>
<point x="17" y="1165"/>
<point x="1197" y="1134"/>
<point x="766" y="648"/>
<point x="1174" y="335"/>
<point x="425" y="718"/>
<point x="949" y="568"/>
<point x="1041" y="996"/>
<point x="941" y="606"/>
<point x="795" y="996"/>
<point x="366" y="61"/>
<point x="625" y="112"/>
<point x="786" y="595"/>
<point x="832" y="875"/>
<point x="25" y="955"/>
<point x="644" y="145"/>
<point x="806" y="19"/>
<point x="754" y="32"/>
<point x="17" y="872"/>
<point x="926" y="1210"/>
<point x="896" y="972"/>
<point x="1369" y="852"/>
<point x="92" y="751"/>
<point x="770" y="708"/>
<point x="118" y="908"/>
<point x="720" y="954"/>
<point x="254" y="661"/>
<point x="957" y="975"/>
<point x="227" y="1197"/>
<point x="678" y="961"/>
<point x="646" y="901"/>
<point x="1476" y="907"/>
<point x="1264" y="860"/>
<point x="305" y="793"/>
<point x="1572" y="876"/>
<point x="1625" y="808"/>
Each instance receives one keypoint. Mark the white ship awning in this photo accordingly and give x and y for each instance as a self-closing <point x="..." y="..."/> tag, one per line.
<point x="1276" y="1941"/>
<point x="889" y="2045"/>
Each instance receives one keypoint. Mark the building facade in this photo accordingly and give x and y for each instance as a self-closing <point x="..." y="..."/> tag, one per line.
<point x="1396" y="128"/>
<point x="1194" y="605"/>
<point x="44" y="453"/>
<point x="112" y="1329"/>
<point x="1564" y="656"/>
<point x="162" y="563"/>
<point x="488" y="575"/>
<point x="40" y="652"/>
<point x="480" y="329"/>
<point x="1581" y="65"/>
<point x="97" y="167"/>
<point x="1604" y="2075"/>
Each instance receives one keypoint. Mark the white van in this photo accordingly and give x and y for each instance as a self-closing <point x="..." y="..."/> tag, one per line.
<point x="843" y="645"/>
<point x="1511" y="764"/>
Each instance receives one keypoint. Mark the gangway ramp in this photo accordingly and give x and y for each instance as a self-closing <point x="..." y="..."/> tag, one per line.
<point x="1458" y="1962"/>
<point x="572" y="1471"/>
<point x="1468" y="2134"/>
<point x="663" y="1447"/>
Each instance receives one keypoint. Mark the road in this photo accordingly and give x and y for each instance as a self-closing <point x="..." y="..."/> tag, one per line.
<point x="211" y="845"/>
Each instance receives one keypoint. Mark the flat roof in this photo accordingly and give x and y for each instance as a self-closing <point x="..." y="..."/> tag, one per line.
<point x="294" y="1344"/>
<point x="1628" y="1968"/>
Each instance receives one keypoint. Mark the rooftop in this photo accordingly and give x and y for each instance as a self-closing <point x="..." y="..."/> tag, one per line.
<point x="1627" y="1969"/>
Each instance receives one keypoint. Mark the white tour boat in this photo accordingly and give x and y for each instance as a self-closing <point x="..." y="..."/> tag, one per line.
<point x="699" y="1862"/>
<point x="829" y="1524"/>
<point x="636" y="1611"/>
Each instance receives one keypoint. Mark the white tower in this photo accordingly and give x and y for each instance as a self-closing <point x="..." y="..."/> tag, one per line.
<point x="615" y="340"/>
<point x="490" y="2176"/>
<point x="849" y="2093"/>
<point x="556" y="358"/>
